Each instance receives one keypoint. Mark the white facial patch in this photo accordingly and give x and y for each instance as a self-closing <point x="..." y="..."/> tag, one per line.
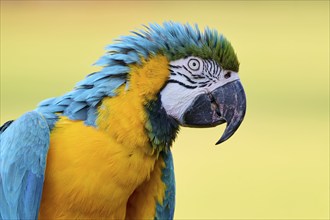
<point x="189" y="78"/>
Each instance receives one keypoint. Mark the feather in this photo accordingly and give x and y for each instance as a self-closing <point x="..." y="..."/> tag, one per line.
<point x="127" y="58"/>
<point x="47" y="102"/>
<point x="91" y="116"/>
<point x="114" y="70"/>
<point x="80" y="115"/>
<point x="74" y="107"/>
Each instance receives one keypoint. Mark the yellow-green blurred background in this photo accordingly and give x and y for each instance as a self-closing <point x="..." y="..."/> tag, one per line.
<point x="275" y="167"/>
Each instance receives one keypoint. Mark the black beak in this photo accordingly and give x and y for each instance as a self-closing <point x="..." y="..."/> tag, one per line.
<point x="226" y="103"/>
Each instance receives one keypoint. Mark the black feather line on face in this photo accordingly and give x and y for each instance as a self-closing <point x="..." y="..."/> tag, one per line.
<point x="181" y="83"/>
<point x="186" y="77"/>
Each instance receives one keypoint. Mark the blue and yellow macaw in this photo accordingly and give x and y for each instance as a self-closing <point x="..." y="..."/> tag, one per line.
<point x="103" y="149"/>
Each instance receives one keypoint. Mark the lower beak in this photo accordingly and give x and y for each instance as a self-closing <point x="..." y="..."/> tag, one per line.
<point x="226" y="103"/>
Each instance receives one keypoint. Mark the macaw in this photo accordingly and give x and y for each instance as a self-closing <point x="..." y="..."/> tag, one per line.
<point x="102" y="150"/>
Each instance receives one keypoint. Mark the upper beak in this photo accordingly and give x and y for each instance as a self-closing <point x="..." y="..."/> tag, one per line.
<point x="226" y="103"/>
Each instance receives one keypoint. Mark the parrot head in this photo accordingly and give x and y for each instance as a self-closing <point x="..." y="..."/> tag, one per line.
<point x="203" y="88"/>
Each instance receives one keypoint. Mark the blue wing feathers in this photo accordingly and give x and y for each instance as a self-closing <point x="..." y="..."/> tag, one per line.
<point x="29" y="201"/>
<point x="23" y="150"/>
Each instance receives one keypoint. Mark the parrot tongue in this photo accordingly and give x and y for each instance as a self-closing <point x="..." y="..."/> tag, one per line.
<point x="231" y="102"/>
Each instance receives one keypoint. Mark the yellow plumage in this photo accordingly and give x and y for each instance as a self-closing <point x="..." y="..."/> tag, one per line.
<point x="110" y="171"/>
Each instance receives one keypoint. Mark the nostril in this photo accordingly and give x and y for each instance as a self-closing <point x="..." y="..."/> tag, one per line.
<point x="227" y="75"/>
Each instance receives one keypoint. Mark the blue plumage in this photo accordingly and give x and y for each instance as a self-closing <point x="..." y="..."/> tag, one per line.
<point x="23" y="150"/>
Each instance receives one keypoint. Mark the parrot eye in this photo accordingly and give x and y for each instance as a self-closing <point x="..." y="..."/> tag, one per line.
<point x="227" y="75"/>
<point x="193" y="64"/>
